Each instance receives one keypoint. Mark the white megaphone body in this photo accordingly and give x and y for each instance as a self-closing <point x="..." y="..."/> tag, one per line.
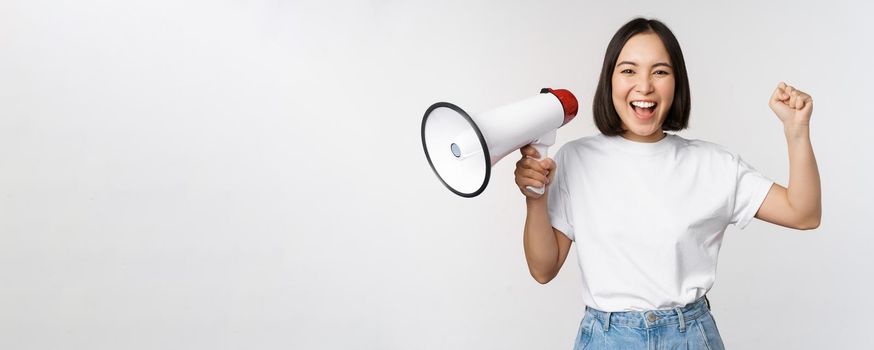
<point x="462" y="148"/>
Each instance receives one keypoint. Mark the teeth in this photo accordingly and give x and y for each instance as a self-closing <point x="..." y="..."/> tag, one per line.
<point x="642" y="104"/>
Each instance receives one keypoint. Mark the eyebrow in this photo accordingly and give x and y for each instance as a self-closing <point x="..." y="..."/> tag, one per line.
<point x="635" y="64"/>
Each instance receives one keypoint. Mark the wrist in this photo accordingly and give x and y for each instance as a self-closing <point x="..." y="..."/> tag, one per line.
<point x="536" y="202"/>
<point x="796" y="130"/>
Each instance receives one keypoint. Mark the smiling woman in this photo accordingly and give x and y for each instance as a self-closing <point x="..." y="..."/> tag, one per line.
<point x="647" y="209"/>
<point x="643" y="63"/>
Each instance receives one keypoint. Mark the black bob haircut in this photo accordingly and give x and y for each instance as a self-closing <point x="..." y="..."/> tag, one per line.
<point x="606" y="118"/>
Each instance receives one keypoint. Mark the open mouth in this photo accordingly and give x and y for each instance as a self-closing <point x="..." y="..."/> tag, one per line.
<point x="643" y="109"/>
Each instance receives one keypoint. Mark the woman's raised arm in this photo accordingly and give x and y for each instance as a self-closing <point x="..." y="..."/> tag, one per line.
<point x="800" y="205"/>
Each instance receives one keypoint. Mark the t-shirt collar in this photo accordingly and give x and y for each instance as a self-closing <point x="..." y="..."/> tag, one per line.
<point x="642" y="148"/>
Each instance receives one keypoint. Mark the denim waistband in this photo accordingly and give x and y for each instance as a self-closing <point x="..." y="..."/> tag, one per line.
<point x="653" y="318"/>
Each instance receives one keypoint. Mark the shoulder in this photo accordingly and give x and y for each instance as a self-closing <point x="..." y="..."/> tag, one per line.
<point x="699" y="145"/>
<point x="581" y="145"/>
<point x="706" y="149"/>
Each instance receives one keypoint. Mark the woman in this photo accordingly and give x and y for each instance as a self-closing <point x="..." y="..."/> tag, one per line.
<point x="648" y="209"/>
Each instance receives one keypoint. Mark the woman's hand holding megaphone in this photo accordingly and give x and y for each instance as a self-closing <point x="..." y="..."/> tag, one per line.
<point x="533" y="172"/>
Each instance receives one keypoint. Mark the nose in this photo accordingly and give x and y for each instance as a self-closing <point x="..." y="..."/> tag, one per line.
<point x="644" y="84"/>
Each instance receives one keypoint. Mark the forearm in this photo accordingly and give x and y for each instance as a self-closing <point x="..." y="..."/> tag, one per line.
<point x="541" y="248"/>
<point x="804" y="193"/>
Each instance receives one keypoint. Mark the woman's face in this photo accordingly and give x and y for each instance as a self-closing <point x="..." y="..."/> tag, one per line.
<point x="643" y="87"/>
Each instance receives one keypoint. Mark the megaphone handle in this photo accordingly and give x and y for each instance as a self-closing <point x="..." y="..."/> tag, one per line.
<point x="542" y="146"/>
<point x="541" y="150"/>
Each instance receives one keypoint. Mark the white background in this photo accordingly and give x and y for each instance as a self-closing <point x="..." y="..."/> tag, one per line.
<point x="249" y="174"/>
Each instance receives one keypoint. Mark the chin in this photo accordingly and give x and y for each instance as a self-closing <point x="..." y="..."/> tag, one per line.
<point x="643" y="130"/>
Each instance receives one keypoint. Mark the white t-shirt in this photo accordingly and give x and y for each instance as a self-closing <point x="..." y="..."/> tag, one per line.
<point x="648" y="218"/>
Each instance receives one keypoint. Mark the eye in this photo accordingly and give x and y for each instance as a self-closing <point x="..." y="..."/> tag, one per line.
<point x="627" y="71"/>
<point x="662" y="72"/>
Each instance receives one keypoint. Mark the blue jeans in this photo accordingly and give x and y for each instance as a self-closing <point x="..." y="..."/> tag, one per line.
<point x="689" y="327"/>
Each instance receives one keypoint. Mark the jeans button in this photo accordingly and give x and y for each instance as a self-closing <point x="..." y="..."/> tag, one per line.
<point x="650" y="317"/>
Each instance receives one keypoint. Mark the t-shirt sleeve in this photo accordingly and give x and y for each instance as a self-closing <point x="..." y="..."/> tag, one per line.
<point x="751" y="188"/>
<point x="559" y="200"/>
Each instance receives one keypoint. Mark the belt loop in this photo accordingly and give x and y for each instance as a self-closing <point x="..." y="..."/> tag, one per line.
<point x="607" y="321"/>
<point x="707" y="301"/>
<point x="682" y="320"/>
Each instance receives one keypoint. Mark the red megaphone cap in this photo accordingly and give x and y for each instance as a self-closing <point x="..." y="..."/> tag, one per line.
<point x="568" y="103"/>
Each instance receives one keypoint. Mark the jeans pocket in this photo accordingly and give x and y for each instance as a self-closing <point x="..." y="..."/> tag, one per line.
<point x="709" y="333"/>
<point x="584" y="335"/>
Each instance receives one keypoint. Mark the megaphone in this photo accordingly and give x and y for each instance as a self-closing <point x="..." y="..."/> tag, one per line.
<point x="462" y="148"/>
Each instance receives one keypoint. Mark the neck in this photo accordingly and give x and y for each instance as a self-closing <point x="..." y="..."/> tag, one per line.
<point x="654" y="137"/>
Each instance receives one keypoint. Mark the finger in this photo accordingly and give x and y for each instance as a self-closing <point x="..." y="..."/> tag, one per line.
<point x="524" y="151"/>
<point x="529" y="151"/>
<point x="778" y="94"/>
<point x="530" y="163"/>
<point x="792" y="96"/>
<point x="787" y="94"/>
<point x="548" y="164"/>
<point x="802" y="95"/>
<point x="805" y="100"/>
<point x="808" y="102"/>
<point x="782" y="88"/>
<point x="531" y="174"/>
